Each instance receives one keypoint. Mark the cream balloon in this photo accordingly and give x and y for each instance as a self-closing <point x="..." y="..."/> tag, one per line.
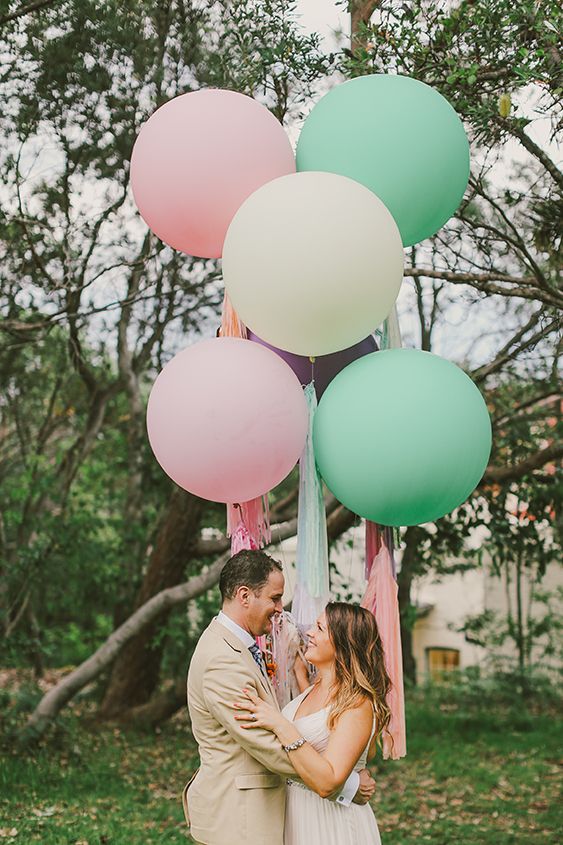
<point x="313" y="262"/>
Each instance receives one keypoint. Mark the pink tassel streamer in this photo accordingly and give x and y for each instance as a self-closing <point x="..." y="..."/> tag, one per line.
<point x="231" y="324"/>
<point x="381" y="598"/>
<point x="373" y="544"/>
<point x="248" y="524"/>
<point x="241" y="539"/>
<point x="285" y="643"/>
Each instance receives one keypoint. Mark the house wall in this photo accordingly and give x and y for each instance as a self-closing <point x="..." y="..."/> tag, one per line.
<point x="450" y="600"/>
<point x="501" y="597"/>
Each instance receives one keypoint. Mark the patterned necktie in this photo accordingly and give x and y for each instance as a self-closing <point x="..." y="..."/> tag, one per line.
<point x="257" y="655"/>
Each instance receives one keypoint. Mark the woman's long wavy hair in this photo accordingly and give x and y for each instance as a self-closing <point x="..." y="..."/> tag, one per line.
<point x="359" y="663"/>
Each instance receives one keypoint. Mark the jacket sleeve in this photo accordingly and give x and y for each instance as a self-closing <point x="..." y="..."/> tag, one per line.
<point x="222" y="684"/>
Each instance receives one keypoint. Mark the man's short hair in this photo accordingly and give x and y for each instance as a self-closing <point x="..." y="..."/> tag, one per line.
<point x="248" y="568"/>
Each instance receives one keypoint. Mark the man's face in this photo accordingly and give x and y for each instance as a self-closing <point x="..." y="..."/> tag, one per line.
<point x="262" y="607"/>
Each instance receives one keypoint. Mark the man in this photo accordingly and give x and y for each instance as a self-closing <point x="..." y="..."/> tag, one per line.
<point x="238" y="794"/>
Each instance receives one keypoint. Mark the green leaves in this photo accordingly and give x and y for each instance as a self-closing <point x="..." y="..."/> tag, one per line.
<point x="472" y="51"/>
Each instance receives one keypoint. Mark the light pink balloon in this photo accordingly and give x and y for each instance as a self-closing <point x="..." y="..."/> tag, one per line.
<point x="227" y="419"/>
<point x="196" y="160"/>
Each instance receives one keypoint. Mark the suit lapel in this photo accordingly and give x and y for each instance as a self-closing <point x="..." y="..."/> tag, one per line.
<point x="233" y="641"/>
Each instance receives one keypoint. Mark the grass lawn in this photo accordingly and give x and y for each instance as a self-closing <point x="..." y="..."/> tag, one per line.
<point x="484" y="772"/>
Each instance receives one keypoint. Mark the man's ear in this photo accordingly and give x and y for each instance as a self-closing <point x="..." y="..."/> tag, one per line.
<point x="243" y="596"/>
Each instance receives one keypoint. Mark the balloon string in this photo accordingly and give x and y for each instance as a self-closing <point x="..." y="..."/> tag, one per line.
<point x="312" y="360"/>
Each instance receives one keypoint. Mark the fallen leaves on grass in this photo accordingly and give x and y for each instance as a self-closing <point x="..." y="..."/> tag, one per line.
<point x="45" y="813"/>
<point x="165" y="792"/>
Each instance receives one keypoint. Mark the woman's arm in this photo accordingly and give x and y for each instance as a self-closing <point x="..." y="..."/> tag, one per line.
<point x="323" y="773"/>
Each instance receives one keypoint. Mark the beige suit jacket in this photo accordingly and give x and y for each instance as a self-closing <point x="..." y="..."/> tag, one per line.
<point x="238" y="794"/>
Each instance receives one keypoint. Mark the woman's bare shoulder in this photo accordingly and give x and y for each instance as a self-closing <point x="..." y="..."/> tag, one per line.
<point x="364" y="708"/>
<point x="359" y="714"/>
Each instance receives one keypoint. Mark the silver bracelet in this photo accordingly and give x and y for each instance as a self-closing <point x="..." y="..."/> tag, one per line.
<point x="294" y="745"/>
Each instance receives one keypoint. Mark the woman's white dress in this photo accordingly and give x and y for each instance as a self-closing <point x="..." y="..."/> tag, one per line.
<point x="312" y="820"/>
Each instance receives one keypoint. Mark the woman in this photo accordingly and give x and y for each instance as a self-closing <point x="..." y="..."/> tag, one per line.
<point x="329" y="729"/>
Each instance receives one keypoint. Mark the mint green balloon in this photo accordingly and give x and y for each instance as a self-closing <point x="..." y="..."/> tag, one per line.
<point x="402" y="437"/>
<point x="398" y="137"/>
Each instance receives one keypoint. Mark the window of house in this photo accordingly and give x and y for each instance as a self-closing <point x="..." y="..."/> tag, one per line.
<point x="440" y="661"/>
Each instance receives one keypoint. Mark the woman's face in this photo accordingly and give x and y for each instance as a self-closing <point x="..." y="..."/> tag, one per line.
<point x="320" y="648"/>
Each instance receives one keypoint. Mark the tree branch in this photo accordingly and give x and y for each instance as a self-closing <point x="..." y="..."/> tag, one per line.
<point x="542" y="397"/>
<point x="115" y="206"/>
<point x="507" y="353"/>
<point x="84" y="443"/>
<point x="519" y="470"/>
<point x="75" y="345"/>
<point x="484" y="283"/>
<point x="467" y="278"/>
<point x="512" y="127"/>
<point x="518" y="242"/>
<point x="26" y="10"/>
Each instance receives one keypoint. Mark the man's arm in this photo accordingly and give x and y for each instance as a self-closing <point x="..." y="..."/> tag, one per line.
<point x="348" y="790"/>
<point x="222" y="686"/>
<point x="358" y="789"/>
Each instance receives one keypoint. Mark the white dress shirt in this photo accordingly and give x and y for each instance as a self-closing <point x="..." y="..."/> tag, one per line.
<point x="244" y="636"/>
<point x="350" y="787"/>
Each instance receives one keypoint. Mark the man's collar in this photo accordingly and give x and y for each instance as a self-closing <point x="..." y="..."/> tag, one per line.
<point x="244" y="636"/>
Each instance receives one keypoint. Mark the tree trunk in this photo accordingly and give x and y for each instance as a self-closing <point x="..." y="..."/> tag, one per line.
<point x="360" y="13"/>
<point x="136" y="671"/>
<point x="35" y="649"/>
<point x="520" y="638"/>
<point x="404" y="579"/>
<point x="161" y="707"/>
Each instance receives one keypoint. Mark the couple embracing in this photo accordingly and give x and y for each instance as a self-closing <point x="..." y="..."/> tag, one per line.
<point x="291" y="777"/>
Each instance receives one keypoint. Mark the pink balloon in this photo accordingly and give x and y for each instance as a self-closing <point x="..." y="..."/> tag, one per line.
<point x="227" y="419"/>
<point x="196" y="160"/>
